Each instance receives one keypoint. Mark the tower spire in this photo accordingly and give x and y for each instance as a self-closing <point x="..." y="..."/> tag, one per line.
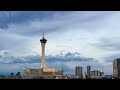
<point x="43" y="42"/>
<point x="43" y="34"/>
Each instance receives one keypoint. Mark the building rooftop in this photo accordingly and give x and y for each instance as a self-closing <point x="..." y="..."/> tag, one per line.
<point x="51" y="69"/>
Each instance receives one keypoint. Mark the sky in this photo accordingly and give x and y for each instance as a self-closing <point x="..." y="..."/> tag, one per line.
<point x="74" y="38"/>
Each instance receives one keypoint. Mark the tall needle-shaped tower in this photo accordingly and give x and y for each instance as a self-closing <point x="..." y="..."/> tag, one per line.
<point x="43" y="42"/>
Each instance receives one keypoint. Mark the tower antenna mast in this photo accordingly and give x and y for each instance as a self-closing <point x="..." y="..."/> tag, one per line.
<point x="43" y="34"/>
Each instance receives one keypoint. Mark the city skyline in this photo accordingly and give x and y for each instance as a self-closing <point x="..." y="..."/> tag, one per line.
<point x="75" y="38"/>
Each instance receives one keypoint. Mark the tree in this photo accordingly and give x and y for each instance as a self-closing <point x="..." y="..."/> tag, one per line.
<point x="18" y="74"/>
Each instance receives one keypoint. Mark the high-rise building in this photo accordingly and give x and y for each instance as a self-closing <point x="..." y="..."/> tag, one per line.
<point x="43" y="42"/>
<point x="78" y="71"/>
<point x="88" y="72"/>
<point x="116" y="68"/>
<point x="97" y="74"/>
<point x="92" y="73"/>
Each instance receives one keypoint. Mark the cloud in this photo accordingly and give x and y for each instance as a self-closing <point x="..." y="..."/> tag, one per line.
<point x="69" y="54"/>
<point x="36" y="22"/>
<point x="37" y="59"/>
<point x="111" y="44"/>
<point x="111" y="58"/>
<point x="5" y="52"/>
<point x="19" y="17"/>
<point x="68" y="62"/>
<point x="73" y="37"/>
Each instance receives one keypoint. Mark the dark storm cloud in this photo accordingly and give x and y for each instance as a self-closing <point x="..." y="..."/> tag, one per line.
<point x="69" y="54"/>
<point x="7" y="17"/>
<point x="5" y="52"/>
<point x="49" y="58"/>
<point x="77" y="53"/>
<point x="72" y="54"/>
<point x="18" y="17"/>
<point x="36" y="21"/>
<point x="65" y="61"/>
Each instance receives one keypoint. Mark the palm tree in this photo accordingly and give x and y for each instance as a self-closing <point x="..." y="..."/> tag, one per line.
<point x="18" y="74"/>
<point x="11" y="75"/>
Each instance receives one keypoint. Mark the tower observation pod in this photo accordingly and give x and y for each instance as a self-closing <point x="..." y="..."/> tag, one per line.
<point x="43" y="42"/>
